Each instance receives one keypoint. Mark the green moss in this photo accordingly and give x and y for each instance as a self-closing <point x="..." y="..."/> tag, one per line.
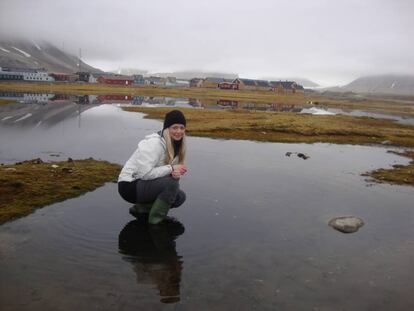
<point x="25" y="186"/>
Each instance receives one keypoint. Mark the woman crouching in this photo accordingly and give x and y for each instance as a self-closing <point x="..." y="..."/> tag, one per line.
<point x="150" y="178"/>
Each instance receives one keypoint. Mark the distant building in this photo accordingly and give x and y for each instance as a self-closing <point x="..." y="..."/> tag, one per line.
<point x="64" y="77"/>
<point x="155" y="81"/>
<point x="83" y="76"/>
<point x="263" y="85"/>
<point x="212" y="82"/>
<point x="116" y="79"/>
<point x="139" y="79"/>
<point x="228" y="86"/>
<point x="11" y="73"/>
<point x="245" y="84"/>
<point x="196" y="82"/>
<point x="285" y="87"/>
<point x="173" y="81"/>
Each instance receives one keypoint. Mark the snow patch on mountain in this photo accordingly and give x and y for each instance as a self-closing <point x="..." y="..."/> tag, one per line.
<point x="21" y="51"/>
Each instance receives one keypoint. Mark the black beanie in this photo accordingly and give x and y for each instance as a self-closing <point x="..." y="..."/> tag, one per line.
<point x="174" y="117"/>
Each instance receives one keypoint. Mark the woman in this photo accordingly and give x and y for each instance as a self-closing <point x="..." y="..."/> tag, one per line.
<point x="152" y="173"/>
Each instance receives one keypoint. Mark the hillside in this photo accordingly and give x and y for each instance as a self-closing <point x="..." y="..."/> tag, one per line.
<point x="26" y="54"/>
<point x="382" y="84"/>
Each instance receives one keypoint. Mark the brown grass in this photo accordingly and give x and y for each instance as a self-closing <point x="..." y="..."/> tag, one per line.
<point x="289" y="127"/>
<point x="399" y="174"/>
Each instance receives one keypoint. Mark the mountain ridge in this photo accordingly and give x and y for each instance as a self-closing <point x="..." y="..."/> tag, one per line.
<point x="42" y="54"/>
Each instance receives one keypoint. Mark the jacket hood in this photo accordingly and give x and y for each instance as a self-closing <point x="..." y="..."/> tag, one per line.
<point x="156" y="136"/>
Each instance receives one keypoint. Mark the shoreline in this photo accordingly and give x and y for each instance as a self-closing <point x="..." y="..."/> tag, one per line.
<point x="385" y="105"/>
<point x="294" y="128"/>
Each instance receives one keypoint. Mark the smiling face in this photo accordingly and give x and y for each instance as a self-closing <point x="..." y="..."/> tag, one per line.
<point x="176" y="131"/>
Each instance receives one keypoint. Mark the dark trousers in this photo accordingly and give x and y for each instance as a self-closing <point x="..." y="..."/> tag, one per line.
<point x="165" y="188"/>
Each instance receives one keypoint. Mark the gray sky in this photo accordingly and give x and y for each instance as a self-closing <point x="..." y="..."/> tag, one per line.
<point x="327" y="41"/>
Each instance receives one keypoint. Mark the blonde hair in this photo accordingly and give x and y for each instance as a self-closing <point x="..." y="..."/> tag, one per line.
<point x="169" y="155"/>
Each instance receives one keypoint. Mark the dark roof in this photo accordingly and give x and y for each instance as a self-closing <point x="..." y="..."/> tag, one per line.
<point x="263" y="83"/>
<point x="215" y="80"/>
<point x="249" y="82"/>
<point x="284" y="84"/>
<point x="156" y="79"/>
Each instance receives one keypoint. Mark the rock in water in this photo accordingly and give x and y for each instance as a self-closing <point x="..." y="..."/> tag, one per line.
<point x="346" y="224"/>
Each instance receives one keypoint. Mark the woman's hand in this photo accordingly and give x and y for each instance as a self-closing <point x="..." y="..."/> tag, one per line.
<point x="178" y="171"/>
<point x="182" y="169"/>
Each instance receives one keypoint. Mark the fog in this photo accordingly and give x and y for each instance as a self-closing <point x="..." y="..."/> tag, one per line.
<point x="329" y="42"/>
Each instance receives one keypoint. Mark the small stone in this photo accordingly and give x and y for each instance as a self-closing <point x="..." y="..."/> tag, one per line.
<point x="37" y="161"/>
<point x="346" y="224"/>
<point x="54" y="166"/>
<point x="67" y="169"/>
<point x="303" y="156"/>
<point x="288" y="154"/>
<point x="10" y="169"/>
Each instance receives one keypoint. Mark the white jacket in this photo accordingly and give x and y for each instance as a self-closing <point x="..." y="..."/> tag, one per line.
<point x="148" y="160"/>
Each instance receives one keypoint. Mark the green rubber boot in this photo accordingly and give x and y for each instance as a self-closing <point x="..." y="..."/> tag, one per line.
<point x="159" y="211"/>
<point x="140" y="208"/>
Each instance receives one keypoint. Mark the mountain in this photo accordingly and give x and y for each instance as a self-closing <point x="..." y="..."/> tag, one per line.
<point x="301" y="81"/>
<point x="129" y="71"/>
<point x="382" y="84"/>
<point x="28" y="54"/>
<point x="187" y="75"/>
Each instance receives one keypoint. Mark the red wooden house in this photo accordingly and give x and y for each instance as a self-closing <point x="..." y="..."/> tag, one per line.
<point x="116" y="79"/>
<point x="228" y="86"/>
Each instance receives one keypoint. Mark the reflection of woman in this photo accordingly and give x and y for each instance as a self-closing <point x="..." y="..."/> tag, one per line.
<point x="151" y="175"/>
<point x="151" y="251"/>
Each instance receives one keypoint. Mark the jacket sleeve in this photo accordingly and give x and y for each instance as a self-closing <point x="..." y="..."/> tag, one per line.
<point x="149" y="153"/>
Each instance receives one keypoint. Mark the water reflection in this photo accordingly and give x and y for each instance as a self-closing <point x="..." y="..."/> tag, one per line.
<point x="151" y="250"/>
<point x="161" y="101"/>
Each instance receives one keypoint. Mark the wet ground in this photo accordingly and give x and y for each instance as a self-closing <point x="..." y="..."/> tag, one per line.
<point x="253" y="233"/>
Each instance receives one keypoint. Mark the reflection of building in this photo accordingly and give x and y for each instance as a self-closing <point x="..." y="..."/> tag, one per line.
<point x="151" y="250"/>
<point x="118" y="98"/>
<point x="138" y="100"/>
<point x="194" y="102"/>
<point x="227" y="103"/>
<point x="27" y="97"/>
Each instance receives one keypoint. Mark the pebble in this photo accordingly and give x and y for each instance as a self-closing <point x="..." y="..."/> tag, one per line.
<point x="346" y="224"/>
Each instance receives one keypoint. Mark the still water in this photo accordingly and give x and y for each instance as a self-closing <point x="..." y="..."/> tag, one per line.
<point x="252" y="234"/>
<point x="161" y="101"/>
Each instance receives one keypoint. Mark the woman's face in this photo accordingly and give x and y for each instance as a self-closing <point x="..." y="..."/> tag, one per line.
<point x="176" y="131"/>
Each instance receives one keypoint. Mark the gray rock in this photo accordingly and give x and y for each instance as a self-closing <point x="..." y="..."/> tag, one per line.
<point x="346" y="224"/>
